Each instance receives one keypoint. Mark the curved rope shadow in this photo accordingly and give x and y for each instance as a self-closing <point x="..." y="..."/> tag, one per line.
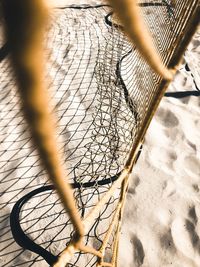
<point x="18" y="234"/>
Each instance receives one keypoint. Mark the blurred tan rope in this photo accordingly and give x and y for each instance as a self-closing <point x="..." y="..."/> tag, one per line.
<point x="25" y="22"/>
<point x="129" y="13"/>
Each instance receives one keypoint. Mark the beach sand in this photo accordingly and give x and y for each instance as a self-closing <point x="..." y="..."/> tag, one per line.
<point x="161" y="219"/>
<point x="161" y="225"/>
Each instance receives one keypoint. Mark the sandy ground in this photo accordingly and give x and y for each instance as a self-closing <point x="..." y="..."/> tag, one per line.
<point x="161" y="220"/>
<point x="161" y="226"/>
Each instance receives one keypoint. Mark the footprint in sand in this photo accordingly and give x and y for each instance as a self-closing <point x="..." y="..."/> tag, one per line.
<point x="166" y="118"/>
<point x="138" y="251"/>
<point x="173" y="134"/>
<point x="192" y="215"/>
<point x="188" y="173"/>
<point x="135" y="181"/>
<point x="166" y="242"/>
<point x="186" y="239"/>
<point x="166" y="158"/>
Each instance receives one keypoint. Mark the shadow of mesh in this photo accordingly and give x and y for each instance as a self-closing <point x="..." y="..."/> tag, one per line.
<point x="101" y="91"/>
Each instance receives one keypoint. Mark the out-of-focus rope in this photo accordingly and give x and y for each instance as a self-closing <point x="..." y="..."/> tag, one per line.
<point x="25" y="23"/>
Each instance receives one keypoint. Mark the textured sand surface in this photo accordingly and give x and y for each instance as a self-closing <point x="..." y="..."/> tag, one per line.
<point x="162" y="216"/>
<point x="161" y="222"/>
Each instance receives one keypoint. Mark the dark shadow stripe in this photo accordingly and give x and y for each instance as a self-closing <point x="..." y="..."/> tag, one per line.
<point x="18" y="234"/>
<point x="182" y="94"/>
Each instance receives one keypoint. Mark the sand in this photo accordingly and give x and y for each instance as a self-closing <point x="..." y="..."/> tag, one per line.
<point x="161" y="220"/>
<point x="161" y="226"/>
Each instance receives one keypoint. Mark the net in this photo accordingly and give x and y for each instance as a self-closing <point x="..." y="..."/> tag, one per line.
<point x="103" y="94"/>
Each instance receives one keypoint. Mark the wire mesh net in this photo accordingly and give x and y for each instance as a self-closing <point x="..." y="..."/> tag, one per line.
<point x="101" y="90"/>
